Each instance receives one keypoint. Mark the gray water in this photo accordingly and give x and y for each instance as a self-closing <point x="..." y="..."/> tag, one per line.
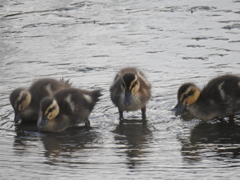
<point x="88" y="42"/>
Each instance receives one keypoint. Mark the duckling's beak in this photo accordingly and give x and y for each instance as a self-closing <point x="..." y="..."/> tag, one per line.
<point x="179" y="108"/>
<point x="17" y="117"/>
<point x="43" y="122"/>
<point x="127" y="98"/>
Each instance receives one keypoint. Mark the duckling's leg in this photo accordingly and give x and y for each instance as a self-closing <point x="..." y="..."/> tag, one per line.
<point x="87" y="123"/>
<point x="143" y="109"/>
<point x="120" y="116"/>
<point x="231" y="118"/>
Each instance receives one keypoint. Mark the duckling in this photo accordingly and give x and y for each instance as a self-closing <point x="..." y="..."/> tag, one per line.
<point x="66" y="108"/>
<point x="218" y="99"/>
<point x="130" y="91"/>
<point x="26" y="102"/>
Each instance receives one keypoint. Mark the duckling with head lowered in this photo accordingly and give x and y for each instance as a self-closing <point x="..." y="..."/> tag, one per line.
<point x="26" y="102"/>
<point x="130" y="91"/>
<point x="218" y="99"/>
<point x="67" y="108"/>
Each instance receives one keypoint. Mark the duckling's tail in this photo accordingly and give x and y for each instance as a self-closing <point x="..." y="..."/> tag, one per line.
<point x="69" y="84"/>
<point x="95" y="95"/>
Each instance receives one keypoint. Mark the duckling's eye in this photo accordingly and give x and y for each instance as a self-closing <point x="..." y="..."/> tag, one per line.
<point x="190" y="93"/>
<point x="21" y="100"/>
<point x="135" y="83"/>
<point x="51" y="109"/>
<point x="19" y="106"/>
<point x="24" y="96"/>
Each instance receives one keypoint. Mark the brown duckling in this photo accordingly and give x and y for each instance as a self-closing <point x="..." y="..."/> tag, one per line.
<point x="130" y="91"/>
<point x="218" y="99"/>
<point x="26" y="102"/>
<point x="67" y="108"/>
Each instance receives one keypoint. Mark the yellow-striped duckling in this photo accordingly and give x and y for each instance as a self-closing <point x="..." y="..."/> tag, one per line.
<point x="67" y="108"/>
<point x="26" y="102"/>
<point x="218" y="99"/>
<point x="130" y="91"/>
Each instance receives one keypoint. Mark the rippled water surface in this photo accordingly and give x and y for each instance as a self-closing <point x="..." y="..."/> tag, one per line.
<point x="88" y="42"/>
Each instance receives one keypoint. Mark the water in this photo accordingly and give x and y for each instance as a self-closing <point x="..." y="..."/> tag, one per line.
<point x="88" y="42"/>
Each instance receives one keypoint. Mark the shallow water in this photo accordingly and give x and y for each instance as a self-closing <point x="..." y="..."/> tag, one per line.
<point x="88" y="42"/>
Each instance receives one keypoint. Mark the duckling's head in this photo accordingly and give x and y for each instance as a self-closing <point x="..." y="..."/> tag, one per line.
<point x="188" y="94"/>
<point x="130" y="85"/>
<point x="49" y="109"/>
<point x="20" y="99"/>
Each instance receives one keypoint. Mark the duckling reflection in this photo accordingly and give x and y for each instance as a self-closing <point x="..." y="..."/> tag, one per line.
<point x="55" y="145"/>
<point x="63" y="144"/>
<point x="25" y="139"/>
<point x="208" y="138"/>
<point x="135" y="139"/>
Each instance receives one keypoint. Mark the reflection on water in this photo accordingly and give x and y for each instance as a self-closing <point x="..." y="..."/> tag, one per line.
<point x="217" y="140"/>
<point x="67" y="144"/>
<point x="132" y="138"/>
<point x="173" y="42"/>
<point x="63" y="144"/>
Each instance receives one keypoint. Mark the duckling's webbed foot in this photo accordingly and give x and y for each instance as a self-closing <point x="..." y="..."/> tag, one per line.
<point x="143" y="113"/>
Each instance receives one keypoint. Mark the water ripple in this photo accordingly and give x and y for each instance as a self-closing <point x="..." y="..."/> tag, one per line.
<point x="230" y="27"/>
<point x="88" y="42"/>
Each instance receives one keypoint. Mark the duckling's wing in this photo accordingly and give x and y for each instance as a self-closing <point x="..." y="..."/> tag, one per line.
<point x="45" y="87"/>
<point x="116" y="83"/>
<point x="143" y="79"/>
<point x="39" y="90"/>
<point x="221" y="87"/>
<point x="231" y="86"/>
<point x="90" y="98"/>
<point x="223" y="93"/>
<point x="66" y="102"/>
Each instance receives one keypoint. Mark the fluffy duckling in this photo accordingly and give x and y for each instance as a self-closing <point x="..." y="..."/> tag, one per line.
<point x="26" y="102"/>
<point x="218" y="99"/>
<point x="130" y="91"/>
<point x="66" y="108"/>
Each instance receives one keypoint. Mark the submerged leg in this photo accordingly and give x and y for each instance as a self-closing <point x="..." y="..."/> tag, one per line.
<point x="143" y="109"/>
<point x="231" y="118"/>
<point x="87" y="123"/>
<point x="120" y="116"/>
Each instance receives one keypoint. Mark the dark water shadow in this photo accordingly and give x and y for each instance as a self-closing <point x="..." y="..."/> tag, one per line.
<point x="26" y="137"/>
<point x="55" y="145"/>
<point x="212" y="139"/>
<point x="132" y="138"/>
